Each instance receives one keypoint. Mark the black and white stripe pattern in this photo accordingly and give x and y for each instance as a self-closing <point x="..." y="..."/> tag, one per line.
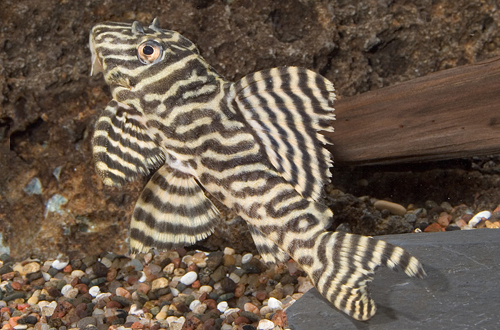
<point x="172" y="211"/>
<point x="287" y="107"/>
<point x="254" y="145"/>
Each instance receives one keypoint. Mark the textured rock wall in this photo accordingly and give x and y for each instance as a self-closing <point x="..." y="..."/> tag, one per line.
<point x="49" y="103"/>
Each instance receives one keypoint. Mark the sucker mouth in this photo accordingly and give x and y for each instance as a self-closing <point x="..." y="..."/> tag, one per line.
<point x="96" y="61"/>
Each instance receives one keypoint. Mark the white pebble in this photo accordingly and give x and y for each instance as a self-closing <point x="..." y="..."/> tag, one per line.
<point x="265" y="324"/>
<point x="200" y="309"/>
<point x="230" y="311"/>
<point x="222" y="306"/>
<point x="20" y="327"/>
<point x="48" y="309"/>
<point x="66" y="288"/>
<point x="195" y="303"/>
<point x="94" y="291"/>
<point x="143" y="277"/>
<point x="46" y="276"/>
<point x="246" y="258"/>
<point x="226" y="326"/>
<point x="174" y="292"/>
<point x="477" y="218"/>
<point x="58" y="264"/>
<point x="228" y="251"/>
<point x="189" y="278"/>
<point x="274" y="303"/>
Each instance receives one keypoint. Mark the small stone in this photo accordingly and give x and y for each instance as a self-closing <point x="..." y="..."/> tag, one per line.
<point x="229" y="260"/>
<point x="222" y="306"/>
<point x="94" y="291"/>
<point x="249" y="307"/>
<point x="478" y="217"/>
<point x="394" y="208"/>
<point x="228" y="251"/>
<point x="228" y="285"/>
<point x="59" y="264"/>
<point x="444" y="219"/>
<point x="280" y="319"/>
<point x="265" y="325"/>
<point x="49" y="309"/>
<point x="200" y="309"/>
<point x="159" y="283"/>
<point x="214" y="259"/>
<point x="433" y="228"/>
<point x="460" y="223"/>
<point x="274" y="303"/>
<point x="206" y="288"/>
<point x="31" y="267"/>
<point x="240" y="290"/>
<point x="246" y="258"/>
<point x="189" y="278"/>
<point x="241" y="320"/>
<point x="86" y="321"/>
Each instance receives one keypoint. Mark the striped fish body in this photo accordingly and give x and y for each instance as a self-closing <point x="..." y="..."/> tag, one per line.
<point x="253" y="145"/>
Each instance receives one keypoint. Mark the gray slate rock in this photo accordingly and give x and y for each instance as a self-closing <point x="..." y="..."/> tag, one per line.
<point x="461" y="290"/>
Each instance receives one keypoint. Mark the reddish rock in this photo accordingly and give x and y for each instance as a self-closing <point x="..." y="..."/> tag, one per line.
<point x="203" y="296"/>
<point x="192" y="268"/>
<point x="111" y="275"/>
<point x="176" y="262"/>
<point x="241" y="320"/>
<point x="75" y="281"/>
<point x="82" y="288"/>
<point x="208" y="324"/>
<point x="240" y="290"/>
<point x="461" y="223"/>
<point x="67" y="269"/>
<point x="16" y="285"/>
<point x="196" y="284"/>
<point x="280" y="319"/>
<point x="211" y="304"/>
<point x="8" y="276"/>
<point x="137" y="325"/>
<point x="113" y="304"/>
<point x="261" y="295"/>
<point x="143" y="288"/>
<point x="433" y="228"/>
<point x="444" y="219"/>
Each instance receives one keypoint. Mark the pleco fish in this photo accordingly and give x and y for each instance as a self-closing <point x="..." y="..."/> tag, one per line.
<point x="253" y="145"/>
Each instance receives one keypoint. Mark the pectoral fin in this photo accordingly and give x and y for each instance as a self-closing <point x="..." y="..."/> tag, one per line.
<point x="172" y="211"/>
<point x="121" y="146"/>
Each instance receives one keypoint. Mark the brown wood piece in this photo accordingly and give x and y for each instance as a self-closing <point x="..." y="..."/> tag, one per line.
<point x="453" y="113"/>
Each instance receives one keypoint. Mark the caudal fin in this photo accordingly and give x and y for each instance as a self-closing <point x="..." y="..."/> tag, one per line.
<point x="345" y="264"/>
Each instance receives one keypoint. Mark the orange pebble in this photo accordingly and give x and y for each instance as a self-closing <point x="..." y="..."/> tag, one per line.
<point x="13" y="321"/>
<point x="137" y="325"/>
<point x="67" y="269"/>
<point x="196" y="284"/>
<point x="16" y="285"/>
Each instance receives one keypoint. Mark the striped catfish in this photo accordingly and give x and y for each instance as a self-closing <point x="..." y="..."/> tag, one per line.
<point x="254" y="145"/>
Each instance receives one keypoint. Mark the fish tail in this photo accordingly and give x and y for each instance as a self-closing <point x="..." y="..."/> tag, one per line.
<point x="343" y="265"/>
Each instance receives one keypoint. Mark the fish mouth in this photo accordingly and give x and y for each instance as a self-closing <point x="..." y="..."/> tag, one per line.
<point x="96" y="61"/>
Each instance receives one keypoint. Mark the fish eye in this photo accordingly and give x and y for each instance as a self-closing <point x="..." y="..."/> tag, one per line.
<point x="149" y="52"/>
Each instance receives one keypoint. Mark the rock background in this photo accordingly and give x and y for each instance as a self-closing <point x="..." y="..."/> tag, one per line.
<point x="49" y="103"/>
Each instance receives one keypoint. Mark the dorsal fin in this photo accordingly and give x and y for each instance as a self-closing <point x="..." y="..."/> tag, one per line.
<point x="121" y="146"/>
<point x="287" y="107"/>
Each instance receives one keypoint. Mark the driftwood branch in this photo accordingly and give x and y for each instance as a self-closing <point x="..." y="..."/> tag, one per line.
<point x="449" y="114"/>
